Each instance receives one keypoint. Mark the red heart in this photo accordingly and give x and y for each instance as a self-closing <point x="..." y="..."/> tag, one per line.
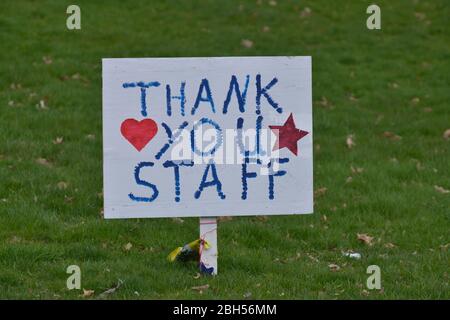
<point x="139" y="133"/>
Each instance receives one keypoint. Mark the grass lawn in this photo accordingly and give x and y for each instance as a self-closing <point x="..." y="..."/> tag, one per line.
<point x="389" y="90"/>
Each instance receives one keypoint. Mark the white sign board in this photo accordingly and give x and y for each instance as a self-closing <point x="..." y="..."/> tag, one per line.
<point x="207" y="136"/>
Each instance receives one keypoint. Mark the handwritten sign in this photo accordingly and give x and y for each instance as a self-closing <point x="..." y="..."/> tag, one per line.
<point x="207" y="136"/>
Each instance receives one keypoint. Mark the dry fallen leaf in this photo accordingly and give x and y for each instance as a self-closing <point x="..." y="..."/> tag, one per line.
<point x="379" y="118"/>
<point x="420" y="16"/>
<point x="42" y="105"/>
<point x="178" y="220"/>
<point x="446" y="134"/>
<point x="265" y="29"/>
<point x="350" y="142"/>
<point x="88" y="293"/>
<point x="365" y="238"/>
<point x="273" y="3"/>
<point x="392" y="136"/>
<point x="128" y="246"/>
<point x="393" y="160"/>
<point x="351" y="97"/>
<point x="201" y="288"/>
<point x="320" y="192"/>
<point x="62" y="185"/>
<point x="389" y="245"/>
<point x="15" y="239"/>
<point x="290" y="259"/>
<point x="334" y="267"/>
<point x="393" y="85"/>
<point x="15" y="86"/>
<point x="44" y="162"/>
<point x="415" y="100"/>
<point x="306" y="12"/>
<point x="262" y="218"/>
<point x="441" y="189"/>
<point x="225" y="218"/>
<point x="419" y="165"/>
<point x="324" y="102"/>
<point x="58" y="140"/>
<point x="47" y="60"/>
<point x="247" y="43"/>
<point x="356" y="169"/>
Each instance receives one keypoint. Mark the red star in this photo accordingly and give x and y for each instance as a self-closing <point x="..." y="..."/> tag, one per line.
<point x="287" y="135"/>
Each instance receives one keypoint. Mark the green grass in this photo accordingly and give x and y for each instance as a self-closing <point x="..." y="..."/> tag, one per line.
<point x="43" y="228"/>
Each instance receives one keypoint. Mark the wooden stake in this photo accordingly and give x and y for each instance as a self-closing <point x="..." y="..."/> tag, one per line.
<point x="208" y="257"/>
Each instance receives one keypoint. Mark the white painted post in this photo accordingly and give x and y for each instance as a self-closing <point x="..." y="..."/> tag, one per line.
<point x="208" y="232"/>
